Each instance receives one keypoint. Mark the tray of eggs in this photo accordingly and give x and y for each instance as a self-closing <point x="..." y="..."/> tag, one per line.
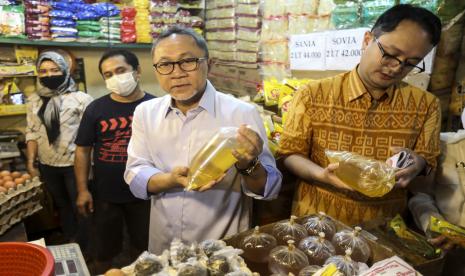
<point x="16" y="187"/>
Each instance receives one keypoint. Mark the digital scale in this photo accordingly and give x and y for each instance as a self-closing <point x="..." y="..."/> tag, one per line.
<point x="68" y="260"/>
<point x="8" y="145"/>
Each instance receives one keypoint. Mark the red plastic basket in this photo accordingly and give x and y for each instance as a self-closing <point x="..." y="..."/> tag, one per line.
<point x="21" y="259"/>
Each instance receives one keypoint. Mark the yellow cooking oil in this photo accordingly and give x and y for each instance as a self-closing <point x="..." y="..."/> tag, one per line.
<point x="212" y="161"/>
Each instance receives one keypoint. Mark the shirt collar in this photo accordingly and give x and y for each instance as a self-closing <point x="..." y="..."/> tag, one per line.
<point x="207" y="102"/>
<point x="357" y="88"/>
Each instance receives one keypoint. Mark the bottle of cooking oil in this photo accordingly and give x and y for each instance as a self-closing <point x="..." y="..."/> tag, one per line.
<point x="214" y="158"/>
<point x="370" y="177"/>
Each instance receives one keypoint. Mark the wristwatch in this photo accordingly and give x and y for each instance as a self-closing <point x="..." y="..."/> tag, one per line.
<point x="249" y="170"/>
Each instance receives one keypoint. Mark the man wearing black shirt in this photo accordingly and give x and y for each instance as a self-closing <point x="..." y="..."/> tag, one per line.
<point x="105" y="130"/>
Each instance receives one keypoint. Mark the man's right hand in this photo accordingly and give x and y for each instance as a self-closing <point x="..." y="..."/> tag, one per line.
<point x="85" y="203"/>
<point x="330" y="177"/>
<point x="32" y="170"/>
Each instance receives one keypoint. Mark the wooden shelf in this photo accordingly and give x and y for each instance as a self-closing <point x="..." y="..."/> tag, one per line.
<point x="74" y="44"/>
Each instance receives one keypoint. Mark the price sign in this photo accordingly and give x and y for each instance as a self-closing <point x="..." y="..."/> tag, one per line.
<point x="344" y="48"/>
<point x="307" y="52"/>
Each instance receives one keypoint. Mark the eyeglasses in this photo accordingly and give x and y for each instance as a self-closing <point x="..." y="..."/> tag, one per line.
<point x="392" y="61"/>
<point x="187" y="65"/>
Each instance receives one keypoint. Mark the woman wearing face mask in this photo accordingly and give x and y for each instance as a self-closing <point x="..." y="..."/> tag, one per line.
<point x="53" y="117"/>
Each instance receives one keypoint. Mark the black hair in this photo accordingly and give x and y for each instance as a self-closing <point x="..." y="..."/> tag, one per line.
<point x="180" y="30"/>
<point x="129" y="57"/>
<point x="389" y="20"/>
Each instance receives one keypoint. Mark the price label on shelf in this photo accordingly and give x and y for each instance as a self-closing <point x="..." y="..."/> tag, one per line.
<point x="307" y="52"/>
<point x="344" y="48"/>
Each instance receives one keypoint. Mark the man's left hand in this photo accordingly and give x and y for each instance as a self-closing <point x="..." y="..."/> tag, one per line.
<point x="405" y="176"/>
<point x="252" y="145"/>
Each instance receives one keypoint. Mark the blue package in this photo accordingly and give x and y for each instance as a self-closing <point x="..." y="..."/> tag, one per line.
<point x="106" y="9"/>
<point x="62" y="14"/>
<point x="87" y="15"/>
<point x="63" y="22"/>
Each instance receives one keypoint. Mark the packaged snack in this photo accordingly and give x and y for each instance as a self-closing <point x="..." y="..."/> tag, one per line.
<point x="344" y="264"/>
<point x="451" y="231"/>
<point x="317" y="248"/>
<point x="370" y="177"/>
<point x="287" y="259"/>
<point x="271" y="90"/>
<point x="413" y="241"/>
<point x="257" y="246"/>
<point x="289" y="230"/>
<point x="309" y="270"/>
<point x="346" y="239"/>
<point x="209" y="247"/>
<point x="12" y="21"/>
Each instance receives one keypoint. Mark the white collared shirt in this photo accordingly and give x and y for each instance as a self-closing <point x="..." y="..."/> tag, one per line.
<point x="164" y="138"/>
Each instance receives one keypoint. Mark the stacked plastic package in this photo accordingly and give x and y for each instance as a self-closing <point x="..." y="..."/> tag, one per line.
<point x="248" y="22"/>
<point x="221" y="30"/>
<point x="110" y="23"/>
<point x="372" y="9"/>
<point x="37" y="19"/>
<point x="166" y="13"/>
<point x="63" y="20"/>
<point x="11" y="19"/>
<point x="143" y="29"/>
<point x="346" y="14"/>
<point x="87" y="22"/>
<point x="128" y="24"/>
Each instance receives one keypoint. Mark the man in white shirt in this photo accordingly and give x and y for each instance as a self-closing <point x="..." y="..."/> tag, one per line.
<point x="169" y="131"/>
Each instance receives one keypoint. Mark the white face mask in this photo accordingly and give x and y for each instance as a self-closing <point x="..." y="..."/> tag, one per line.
<point x="122" y="84"/>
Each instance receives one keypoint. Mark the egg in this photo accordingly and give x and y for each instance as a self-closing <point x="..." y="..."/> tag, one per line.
<point x="9" y="184"/>
<point x="3" y="189"/>
<point x="26" y="176"/>
<point x="15" y="174"/>
<point x="114" y="272"/>
<point x="7" y="178"/>
<point x="19" y="180"/>
<point x="4" y="173"/>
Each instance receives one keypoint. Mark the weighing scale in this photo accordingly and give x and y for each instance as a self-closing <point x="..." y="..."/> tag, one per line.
<point x="68" y="260"/>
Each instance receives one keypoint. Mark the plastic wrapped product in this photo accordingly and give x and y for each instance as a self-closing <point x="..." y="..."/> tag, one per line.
<point x="214" y="158"/>
<point x="320" y="223"/>
<point x="12" y="21"/>
<point x="370" y="177"/>
<point x="248" y="34"/>
<point x="181" y="253"/>
<point x="372" y="9"/>
<point x="411" y="240"/>
<point x="221" y="45"/>
<point x="221" y="23"/>
<point x="63" y="23"/>
<point x="273" y="8"/>
<point x="451" y="231"/>
<point x="211" y="246"/>
<point x="249" y="57"/>
<point x="220" y="13"/>
<point x="317" y="248"/>
<point x="62" y="14"/>
<point x="257" y="246"/>
<point x="247" y="9"/>
<point x="148" y="264"/>
<point x="344" y="263"/>
<point x="287" y="259"/>
<point x="309" y="270"/>
<point x="250" y="46"/>
<point x="224" y="35"/>
<point x="275" y="28"/>
<point x="192" y="268"/>
<point x="346" y="15"/>
<point x="346" y="239"/>
<point x="275" y="51"/>
<point x="326" y="7"/>
<point x="218" y="266"/>
<point x="295" y="7"/>
<point x="106" y="9"/>
<point x="289" y="230"/>
<point x="248" y="21"/>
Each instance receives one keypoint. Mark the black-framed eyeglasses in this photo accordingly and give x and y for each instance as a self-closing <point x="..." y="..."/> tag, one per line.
<point x="187" y="65"/>
<point x="392" y="61"/>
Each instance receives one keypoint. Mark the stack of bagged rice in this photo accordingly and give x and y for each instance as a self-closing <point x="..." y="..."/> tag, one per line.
<point x="63" y="20"/>
<point x="110" y="22"/>
<point x="143" y="28"/>
<point x="87" y="24"/>
<point x="128" y="25"/>
<point x="37" y="19"/>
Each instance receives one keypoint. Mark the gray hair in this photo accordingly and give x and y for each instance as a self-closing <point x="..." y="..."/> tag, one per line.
<point x="180" y="30"/>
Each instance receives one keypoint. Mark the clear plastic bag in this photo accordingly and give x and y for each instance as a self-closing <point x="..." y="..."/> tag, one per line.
<point x="320" y="223"/>
<point x="344" y="263"/>
<point x="289" y="230"/>
<point x="309" y="270"/>
<point x="317" y="248"/>
<point x="180" y="252"/>
<point x="211" y="246"/>
<point x="368" y="176"/>
<point x="257" y="246"/>
<point x="347" y="239"/>
<point x="287" y="259"/>
<point x="192" y="268"/>
<point x="214" y="158"/>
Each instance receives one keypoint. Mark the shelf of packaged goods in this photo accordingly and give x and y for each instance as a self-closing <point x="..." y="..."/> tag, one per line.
<point x="74" y="44"/>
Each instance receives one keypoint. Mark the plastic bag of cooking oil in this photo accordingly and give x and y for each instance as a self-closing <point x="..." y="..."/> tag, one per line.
<point x="449" y="230"/>
<point x="213" y="159"/>
<point x="368" y="176"/>
<point x="411" y="240"/>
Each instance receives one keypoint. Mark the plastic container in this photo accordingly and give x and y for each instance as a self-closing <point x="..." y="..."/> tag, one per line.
<point x="346" y="239"/>
<point x="20" y="258"/>
<point x="289" y="230"/>
<point x="287" y="259"/>
<point x="370" y="177"/>
<point x="257" y="246"/>
<point x="317" y="248"/>
<point x="213" y="159"/>
<point x="320" y="223"/>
